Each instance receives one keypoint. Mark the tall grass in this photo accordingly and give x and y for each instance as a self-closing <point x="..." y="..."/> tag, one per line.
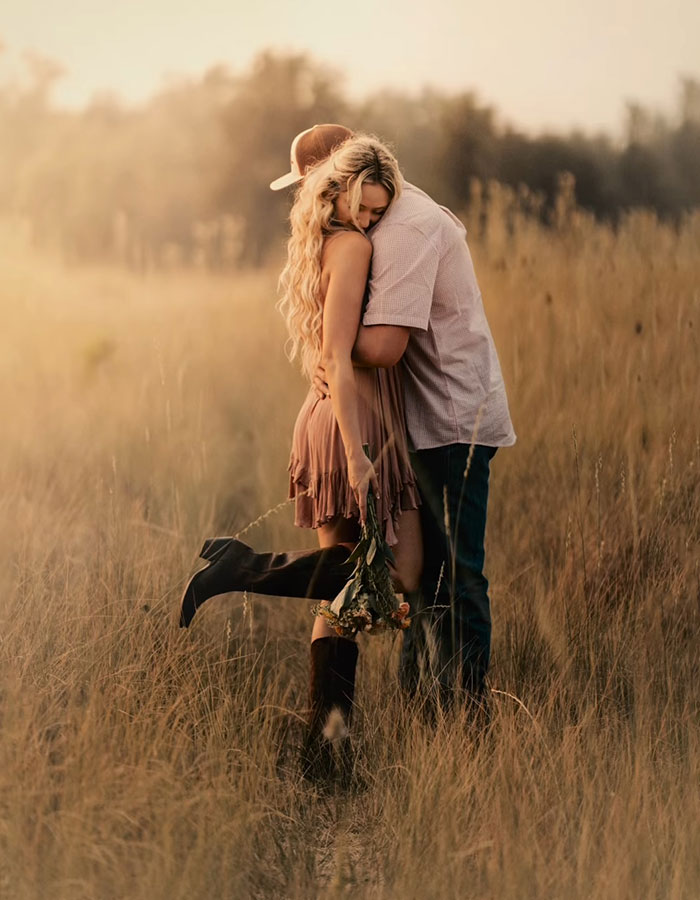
<point x="141" y="414"/>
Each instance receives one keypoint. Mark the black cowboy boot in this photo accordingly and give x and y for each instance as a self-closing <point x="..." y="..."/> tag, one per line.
<point x="327" y="752"/>
<point x="234" y="566"/>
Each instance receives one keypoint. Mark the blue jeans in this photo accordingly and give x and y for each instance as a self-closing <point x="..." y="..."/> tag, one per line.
<point x="450" y="638"/>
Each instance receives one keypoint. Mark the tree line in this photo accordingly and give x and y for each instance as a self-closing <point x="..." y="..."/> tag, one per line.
<point x="183" y="178"/>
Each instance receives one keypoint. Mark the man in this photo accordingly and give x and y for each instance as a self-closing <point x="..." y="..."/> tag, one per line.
<point x="424" y="310"/>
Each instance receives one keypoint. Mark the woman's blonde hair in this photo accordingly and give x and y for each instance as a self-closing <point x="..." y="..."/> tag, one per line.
<point x="359" y="160"/>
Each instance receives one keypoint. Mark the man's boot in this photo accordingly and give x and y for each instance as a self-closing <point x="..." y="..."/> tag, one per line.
<point x="234" y="566"/>
<point x="327" y="753"/>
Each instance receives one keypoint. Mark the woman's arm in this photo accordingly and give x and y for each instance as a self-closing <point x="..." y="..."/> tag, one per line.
<point x="346" y="268"/>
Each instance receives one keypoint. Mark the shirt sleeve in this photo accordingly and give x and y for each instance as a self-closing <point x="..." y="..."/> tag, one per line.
<point x="404" y="269"/>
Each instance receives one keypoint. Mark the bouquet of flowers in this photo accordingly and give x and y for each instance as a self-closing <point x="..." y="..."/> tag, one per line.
<point x="367" y="602"/>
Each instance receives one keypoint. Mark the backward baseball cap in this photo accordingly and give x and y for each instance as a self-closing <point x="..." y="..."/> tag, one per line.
<point x="310" y="147"/>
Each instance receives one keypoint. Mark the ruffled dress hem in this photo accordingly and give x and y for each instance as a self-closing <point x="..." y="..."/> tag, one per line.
<point x="321" y="497"/>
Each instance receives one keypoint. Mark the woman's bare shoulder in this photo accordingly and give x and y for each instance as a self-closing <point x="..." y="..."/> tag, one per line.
<point x="344" y="244"/>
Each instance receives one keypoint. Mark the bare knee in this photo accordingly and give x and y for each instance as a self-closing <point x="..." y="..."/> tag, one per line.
<point x="406" y="576"/>
<point x="408" y="553"/>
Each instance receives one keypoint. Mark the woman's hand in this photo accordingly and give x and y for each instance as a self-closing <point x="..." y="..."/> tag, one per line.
<point x="362" y="475"/>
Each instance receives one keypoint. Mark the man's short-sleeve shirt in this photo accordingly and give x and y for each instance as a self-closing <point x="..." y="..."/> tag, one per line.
<point x="423" y="278"/>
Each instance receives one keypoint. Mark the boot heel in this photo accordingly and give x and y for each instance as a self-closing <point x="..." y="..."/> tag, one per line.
<point x="213" y="547"/>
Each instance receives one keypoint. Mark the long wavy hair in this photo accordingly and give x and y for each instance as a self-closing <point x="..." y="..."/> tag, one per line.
<point x="359" y="160"/>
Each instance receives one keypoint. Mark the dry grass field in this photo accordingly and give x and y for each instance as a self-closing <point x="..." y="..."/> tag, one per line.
<point x="143" y="412"/>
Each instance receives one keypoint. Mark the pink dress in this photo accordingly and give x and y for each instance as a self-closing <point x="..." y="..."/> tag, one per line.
<point x="318" y="466"/>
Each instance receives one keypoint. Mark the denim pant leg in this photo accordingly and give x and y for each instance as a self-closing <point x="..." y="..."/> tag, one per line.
<point x="451" y="634"/>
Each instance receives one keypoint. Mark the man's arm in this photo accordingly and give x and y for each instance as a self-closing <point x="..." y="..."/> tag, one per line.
<point x="404" y="269"/>
<point x="379" y="346"/>
<point x="376" y="347"/>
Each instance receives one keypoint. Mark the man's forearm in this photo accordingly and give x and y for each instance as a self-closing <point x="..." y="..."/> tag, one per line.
<point x="363" y="351"/>
<point x="379" y="346"/>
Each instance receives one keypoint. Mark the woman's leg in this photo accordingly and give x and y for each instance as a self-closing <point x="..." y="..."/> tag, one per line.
<point x="408" y="553"/>
<point x="407" y="573"/>
<point x="337" y="531"/>
<point x="333" y="661"/>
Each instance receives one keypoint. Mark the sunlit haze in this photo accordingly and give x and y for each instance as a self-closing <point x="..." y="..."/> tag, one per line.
<point x="542" y="65"/>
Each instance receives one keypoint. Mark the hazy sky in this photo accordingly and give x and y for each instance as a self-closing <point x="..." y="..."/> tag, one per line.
<point x="544" y="63"/>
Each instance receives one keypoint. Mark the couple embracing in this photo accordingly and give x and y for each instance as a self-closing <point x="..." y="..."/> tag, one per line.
<point x="385" y="315"/>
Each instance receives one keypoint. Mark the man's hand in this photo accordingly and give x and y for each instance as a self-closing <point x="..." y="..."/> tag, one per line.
<point x="320" y="384"/>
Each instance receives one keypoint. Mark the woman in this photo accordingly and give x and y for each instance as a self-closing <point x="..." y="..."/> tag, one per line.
<point x="324" y="287"/>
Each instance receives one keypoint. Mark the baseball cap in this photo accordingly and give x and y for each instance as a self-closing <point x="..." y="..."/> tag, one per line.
<point x="309" y="147"/>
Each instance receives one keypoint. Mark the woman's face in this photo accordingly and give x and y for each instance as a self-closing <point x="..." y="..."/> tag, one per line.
<point x="373" y="204"/>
